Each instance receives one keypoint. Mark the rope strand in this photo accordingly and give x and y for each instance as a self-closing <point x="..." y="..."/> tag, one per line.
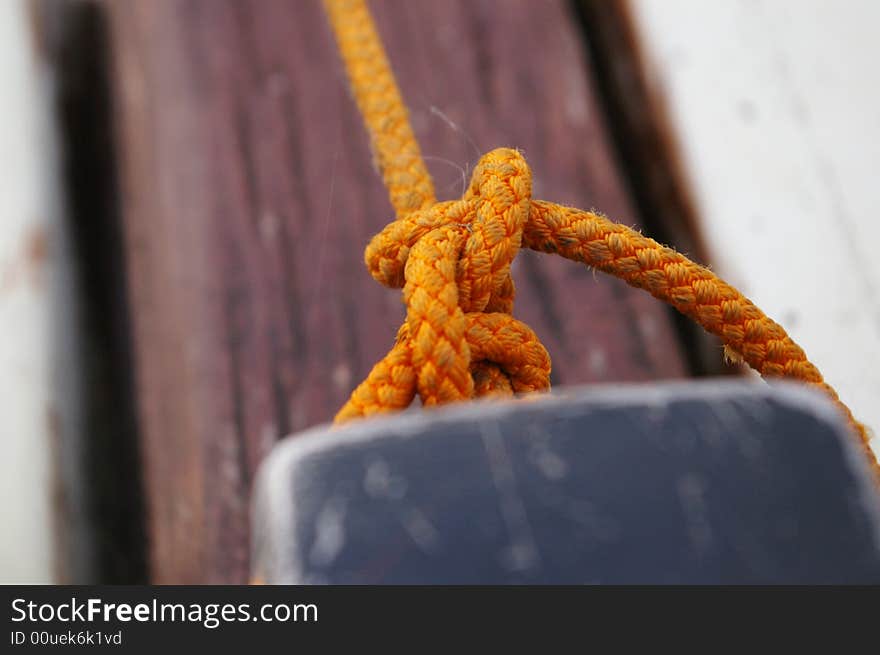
<point x="395" y="148"/>
<point x="453" y="259"/>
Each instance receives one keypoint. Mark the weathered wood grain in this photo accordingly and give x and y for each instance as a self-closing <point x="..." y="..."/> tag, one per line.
<point x="248" y="196"/>
<point x="103" y="494"/>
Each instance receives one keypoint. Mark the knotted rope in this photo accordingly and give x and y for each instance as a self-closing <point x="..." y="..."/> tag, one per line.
<point x="453" y="261"/>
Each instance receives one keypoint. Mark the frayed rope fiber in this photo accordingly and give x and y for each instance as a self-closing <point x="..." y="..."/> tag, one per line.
<point x="453" y="259"/>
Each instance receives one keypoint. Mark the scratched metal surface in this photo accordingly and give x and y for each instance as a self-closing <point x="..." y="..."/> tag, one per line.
<point x="694" y="483"/>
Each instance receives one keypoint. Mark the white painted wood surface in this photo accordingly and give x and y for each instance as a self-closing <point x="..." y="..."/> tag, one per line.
<point x="38" y="414"/>
<point x="776" y="107"/>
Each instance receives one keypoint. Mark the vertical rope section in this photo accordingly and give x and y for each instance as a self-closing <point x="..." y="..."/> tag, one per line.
<point x="395" y="148"/>
<point x="453" y="258"/>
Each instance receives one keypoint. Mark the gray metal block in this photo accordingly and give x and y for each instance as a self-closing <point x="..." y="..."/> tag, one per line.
<point x="709" y="482"/>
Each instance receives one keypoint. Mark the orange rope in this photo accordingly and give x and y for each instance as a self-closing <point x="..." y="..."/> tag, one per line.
<point x="378" y="99"/>
<point x="453" y="261"/>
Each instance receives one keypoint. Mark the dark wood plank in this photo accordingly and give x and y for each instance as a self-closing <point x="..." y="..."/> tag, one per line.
<point x="248" y="196"/>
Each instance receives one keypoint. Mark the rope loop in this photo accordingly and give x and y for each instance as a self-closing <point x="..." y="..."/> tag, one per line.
<point x="453" y="259"/>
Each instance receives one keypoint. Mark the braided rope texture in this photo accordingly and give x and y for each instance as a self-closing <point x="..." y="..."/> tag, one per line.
<point x="452" y="259"/>
<point x="394" y="145"/>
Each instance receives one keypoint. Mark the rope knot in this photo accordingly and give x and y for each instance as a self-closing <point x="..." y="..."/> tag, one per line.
<point x="453" y="261"/>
